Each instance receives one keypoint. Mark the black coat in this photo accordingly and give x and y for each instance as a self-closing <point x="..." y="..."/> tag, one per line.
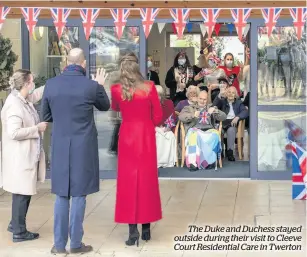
<point x="68" y="102"/>
<point x="154" y="77"/>
<point x="171" y="83"/>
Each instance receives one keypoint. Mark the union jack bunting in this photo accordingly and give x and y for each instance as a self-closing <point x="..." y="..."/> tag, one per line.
<point x="180" y="17"/>
<point x="60" y="16"/>
<point x="3" y="13"/>
<point x="210" y="17"/>
<point x="30" y="15"/>
<point x="240" y="17"/>
<point x="299" y="177"/>
<point x="270" y="16"/>
<point x="120" y="17"/>
<point x="89" y="17"/>
<point x="170" y="122"/>
<point x="299" y="16"/>
<point x="204" y="117"/>
<point x="148" y="18"/>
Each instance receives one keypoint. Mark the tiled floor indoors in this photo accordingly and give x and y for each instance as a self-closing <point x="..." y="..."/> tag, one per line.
<point x="214" y="202"/>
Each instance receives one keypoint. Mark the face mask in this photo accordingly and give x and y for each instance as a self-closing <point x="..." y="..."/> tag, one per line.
<point x="32" y="90"/>
<point x="149" y="64"/>
<point x="229" y="64"/>
<point x="181" y="61"/>
<point x="211" y="64"/>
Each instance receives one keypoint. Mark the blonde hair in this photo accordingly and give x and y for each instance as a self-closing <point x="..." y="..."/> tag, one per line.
<point x="161" y="92"/>
<point x="192" y="89"/>
<point x="130" y="76"/>
<point x="19" y="79"/>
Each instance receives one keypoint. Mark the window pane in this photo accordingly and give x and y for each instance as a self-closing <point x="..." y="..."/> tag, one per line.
<point x="48" y="59"/>
<point x="189" y="40"/>
<point x="48" y="53"/>
<point x="275" y="129"/>
<point x="105" y="51"/>
<point x="281" y="67"/>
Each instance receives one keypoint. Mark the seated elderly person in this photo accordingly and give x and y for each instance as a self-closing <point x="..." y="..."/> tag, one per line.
<point x="202" y="140"/>
<point x="229" y="102"/>
<point x="192" y="94"/>
<point x="165" y="138"/>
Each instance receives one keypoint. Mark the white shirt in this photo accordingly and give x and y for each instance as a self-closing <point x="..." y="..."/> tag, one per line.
<point x="231" y="113"/>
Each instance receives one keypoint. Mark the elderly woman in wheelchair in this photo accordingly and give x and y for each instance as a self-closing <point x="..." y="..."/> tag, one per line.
<point x="202" y="140"/>
<point x="229" y="102"/>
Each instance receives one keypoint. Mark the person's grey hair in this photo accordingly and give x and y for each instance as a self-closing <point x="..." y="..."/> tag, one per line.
<point x="75" y="56"/>
<point x="161" y="92"/>
<point x="191" y="89"/>
<point x="19" y="79"/>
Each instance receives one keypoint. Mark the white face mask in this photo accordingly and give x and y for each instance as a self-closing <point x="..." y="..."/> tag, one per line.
<point x="149" y="64"/>
<point x="32" y="89"/>
<point x="229" y="64"/>
<point x="182" y="61"/>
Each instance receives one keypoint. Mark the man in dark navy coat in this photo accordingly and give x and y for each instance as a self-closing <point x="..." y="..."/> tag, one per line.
<point x="68" y="102"/>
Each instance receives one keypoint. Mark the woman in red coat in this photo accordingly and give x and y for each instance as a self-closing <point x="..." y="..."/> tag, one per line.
<point x="138" y="195"/>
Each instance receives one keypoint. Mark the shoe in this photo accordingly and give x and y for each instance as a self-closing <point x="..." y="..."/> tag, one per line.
<point x="10" y="228"/>
<point x="27" y="236"/>
<point x="83" y="249"/>
<point x="134" y="235"/>
<point x="193" y="168"/>
<point x="55" y="251"/>
<point x="210" y="166"/>
<point x="230" y="156"/>
<point x="146" y="232"/>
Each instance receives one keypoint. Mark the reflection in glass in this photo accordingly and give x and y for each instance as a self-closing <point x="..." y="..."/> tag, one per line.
<point x="45" y="43"/>
<point x="105" y="51"/>
<point x="275" y="132"/>
<point x="281" y="67"/>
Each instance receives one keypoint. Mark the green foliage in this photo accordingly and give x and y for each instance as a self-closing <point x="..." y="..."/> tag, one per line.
<point x="7" y="61"/>
<point x="40" y="81"/>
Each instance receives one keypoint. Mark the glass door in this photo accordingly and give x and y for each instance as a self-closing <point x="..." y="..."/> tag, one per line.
<point x="281" y="99"/>
<point x="105" y="50"/>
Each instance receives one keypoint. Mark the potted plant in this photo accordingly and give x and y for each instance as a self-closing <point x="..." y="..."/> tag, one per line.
<point x="7" y="61"/>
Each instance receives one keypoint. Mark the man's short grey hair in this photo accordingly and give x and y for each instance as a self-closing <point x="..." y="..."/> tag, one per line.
<point x="75" y="56"/>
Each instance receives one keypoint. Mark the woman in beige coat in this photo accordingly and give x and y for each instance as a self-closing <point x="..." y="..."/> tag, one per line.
<point x="23" y="158"/>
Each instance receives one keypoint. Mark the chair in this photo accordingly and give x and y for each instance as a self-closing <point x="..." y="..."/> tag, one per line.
<point x="182" y="132"/>
<point x="240" y="136"/>
<point x="182" y="141"/>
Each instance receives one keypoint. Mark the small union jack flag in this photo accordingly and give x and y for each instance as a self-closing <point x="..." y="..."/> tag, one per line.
<point x="60" y="16"/>
<point x="270" y="16"/>
<point x="210" y="17"/>
<point x="120" y="17"/>
<point x="299" y="177"/>
<point x="3" y="13"/>
<point x="299" y="16"/>
<point x="180" y="17"/>
<point x="89" y="17"/>
<point x="170" y="122"/>
<point x="148" y="18"/>
<point x="30" y="15"/>
<point x="240" y="17"/>
<point x="204" y="117"/>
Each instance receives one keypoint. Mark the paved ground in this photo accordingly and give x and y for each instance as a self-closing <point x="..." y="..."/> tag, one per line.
<point x="226" y="203"/>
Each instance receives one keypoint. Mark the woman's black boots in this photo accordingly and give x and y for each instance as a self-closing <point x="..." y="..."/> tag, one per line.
<point x="146" y="232"/>
<point x="134" y="235"/>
